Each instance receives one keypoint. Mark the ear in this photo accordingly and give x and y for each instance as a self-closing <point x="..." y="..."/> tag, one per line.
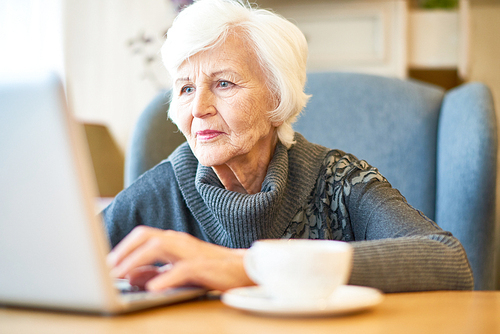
<point x="276" y="124"/>
<point x="275" y="103"/>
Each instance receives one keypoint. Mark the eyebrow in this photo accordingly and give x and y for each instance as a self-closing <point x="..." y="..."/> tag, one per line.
<point x="213" y="74"/>
<point x="229" y="71"/>
<point x="181" y="80"/>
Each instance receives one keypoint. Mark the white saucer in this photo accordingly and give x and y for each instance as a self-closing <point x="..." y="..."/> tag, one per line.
<point x="346" y="299"/>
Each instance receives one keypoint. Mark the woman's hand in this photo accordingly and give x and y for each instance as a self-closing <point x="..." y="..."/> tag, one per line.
<point x="189" y="260"/>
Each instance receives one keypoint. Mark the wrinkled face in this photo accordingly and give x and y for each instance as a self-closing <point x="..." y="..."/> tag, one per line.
<point x="221" y="103"/>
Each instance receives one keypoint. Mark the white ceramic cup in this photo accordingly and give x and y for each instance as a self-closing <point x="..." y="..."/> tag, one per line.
<point x="299" y="271"/>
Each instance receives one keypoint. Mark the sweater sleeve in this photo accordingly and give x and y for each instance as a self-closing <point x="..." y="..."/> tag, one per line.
<point x="397" y="248"/>
<point x="153" y="200"/>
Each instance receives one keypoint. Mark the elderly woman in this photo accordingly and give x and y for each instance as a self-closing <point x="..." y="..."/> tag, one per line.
<point x="244" y="174"/>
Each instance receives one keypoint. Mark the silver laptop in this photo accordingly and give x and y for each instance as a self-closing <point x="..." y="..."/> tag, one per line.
<point x="52" y="243"/>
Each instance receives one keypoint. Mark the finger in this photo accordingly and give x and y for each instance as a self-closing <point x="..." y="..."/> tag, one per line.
<point x="139" y="276"/>
<point x="175" y="277"/>
<point x="132" y="241"/>
<point x="212" y="274"/>
<point x="152" y="251"/>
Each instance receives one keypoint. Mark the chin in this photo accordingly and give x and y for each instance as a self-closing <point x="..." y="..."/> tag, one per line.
<point x="210" y="159"/>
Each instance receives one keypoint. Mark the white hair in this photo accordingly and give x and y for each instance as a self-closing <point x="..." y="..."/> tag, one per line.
<point x="280" y="46"/>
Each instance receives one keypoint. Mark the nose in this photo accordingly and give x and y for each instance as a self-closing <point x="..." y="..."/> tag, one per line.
<point x="203" y="103"/>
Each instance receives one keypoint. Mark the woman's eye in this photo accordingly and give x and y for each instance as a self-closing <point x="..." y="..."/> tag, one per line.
<point x="187" y="89"/>
<point x="225" y="84"/>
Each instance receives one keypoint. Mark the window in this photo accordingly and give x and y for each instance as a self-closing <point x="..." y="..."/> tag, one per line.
<point x="31" y="36"/>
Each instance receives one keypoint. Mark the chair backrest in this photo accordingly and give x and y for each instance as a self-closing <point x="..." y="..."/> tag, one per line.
<point x="153" y="138"/>
<point x="438" y="148"/>
<point x="390" y="123"/>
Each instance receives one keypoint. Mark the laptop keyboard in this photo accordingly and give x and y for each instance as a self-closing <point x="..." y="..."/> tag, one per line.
<point x="124" y="286"/>
<point x="130" y="293"/>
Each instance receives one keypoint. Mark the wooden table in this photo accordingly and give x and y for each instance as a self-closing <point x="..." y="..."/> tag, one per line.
<point x="425" y="312"/>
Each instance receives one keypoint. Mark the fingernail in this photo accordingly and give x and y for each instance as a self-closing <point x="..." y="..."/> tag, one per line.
<point x="115" y="272"/>
<point x="111" y="259"/>
<point x="151" y="286"/>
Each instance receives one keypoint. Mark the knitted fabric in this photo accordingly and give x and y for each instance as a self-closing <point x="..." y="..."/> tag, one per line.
<point x="309" y="192"/>
<point x="236" y="220"/>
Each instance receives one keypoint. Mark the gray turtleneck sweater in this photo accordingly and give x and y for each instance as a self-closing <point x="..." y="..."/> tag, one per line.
<point x="309" y="192"/>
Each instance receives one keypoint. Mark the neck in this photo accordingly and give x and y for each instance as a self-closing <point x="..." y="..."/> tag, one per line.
<point x="245" y="174"/>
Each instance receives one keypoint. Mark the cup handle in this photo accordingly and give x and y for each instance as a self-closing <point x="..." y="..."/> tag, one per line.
<point x="250" y="267"/>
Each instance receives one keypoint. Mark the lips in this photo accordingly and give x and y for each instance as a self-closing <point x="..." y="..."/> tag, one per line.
<point x="205" y="135"/>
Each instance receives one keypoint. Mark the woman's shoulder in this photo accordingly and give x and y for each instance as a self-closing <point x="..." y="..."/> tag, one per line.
<point x="160" y="176"/>
<point x="339" y="166"/>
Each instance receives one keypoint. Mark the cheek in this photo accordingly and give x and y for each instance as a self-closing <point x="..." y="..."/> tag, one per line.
<point x="251" y="112"/>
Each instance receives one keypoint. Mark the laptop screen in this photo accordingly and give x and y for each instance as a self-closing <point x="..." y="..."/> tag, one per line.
<point x="51" y="243"/>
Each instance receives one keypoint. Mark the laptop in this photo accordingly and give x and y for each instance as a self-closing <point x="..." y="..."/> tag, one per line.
<point x="52" y="243"/>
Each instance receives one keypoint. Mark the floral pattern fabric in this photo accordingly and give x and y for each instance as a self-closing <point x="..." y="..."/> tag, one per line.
<point x="325" y="214"/>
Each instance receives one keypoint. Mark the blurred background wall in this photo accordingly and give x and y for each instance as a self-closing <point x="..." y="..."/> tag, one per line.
<point x="108" y="50"/>
<point x="111" y="53"/>
<point x="113" y="68"/>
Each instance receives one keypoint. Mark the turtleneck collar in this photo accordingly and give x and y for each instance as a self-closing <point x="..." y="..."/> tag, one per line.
<point x="236" y="220"/>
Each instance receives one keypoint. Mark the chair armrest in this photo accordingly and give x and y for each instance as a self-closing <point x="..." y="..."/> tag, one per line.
<point x="466" y="175"/>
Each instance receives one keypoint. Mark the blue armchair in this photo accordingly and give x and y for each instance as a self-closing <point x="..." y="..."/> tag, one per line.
<point x="438" y="148"/>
